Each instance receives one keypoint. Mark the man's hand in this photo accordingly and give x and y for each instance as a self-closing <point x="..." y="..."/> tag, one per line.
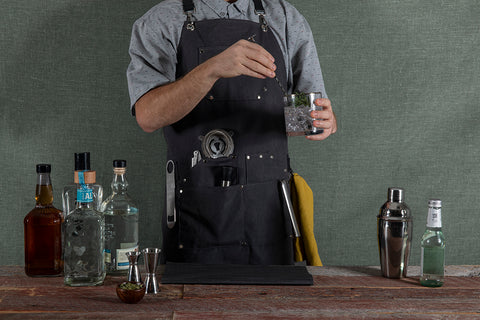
<point x="242" y="58"/>
<point x="326" y="119"/>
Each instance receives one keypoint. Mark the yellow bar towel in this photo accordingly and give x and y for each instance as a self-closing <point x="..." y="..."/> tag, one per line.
<point x="302" y="201"/>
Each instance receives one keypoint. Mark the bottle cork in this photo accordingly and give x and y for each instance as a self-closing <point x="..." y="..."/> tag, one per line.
<point x="89" y="176"/>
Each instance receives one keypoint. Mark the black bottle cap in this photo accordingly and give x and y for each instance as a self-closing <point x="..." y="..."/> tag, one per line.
<point x="82" y="161"/>
<point x="119" y="163"/>
<point x="44" y="168"/>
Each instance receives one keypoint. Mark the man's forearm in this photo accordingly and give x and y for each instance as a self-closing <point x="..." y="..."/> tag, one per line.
<point x="167" y="104"/>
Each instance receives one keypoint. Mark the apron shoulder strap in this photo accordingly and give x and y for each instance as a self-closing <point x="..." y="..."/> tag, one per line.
<point x="259" y="7"/>
<point x="188" y="6"/>
<point x="260" y="11"/>
<point x="188" y="9"/>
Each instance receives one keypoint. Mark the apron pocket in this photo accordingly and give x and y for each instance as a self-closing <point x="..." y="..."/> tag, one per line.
<point x="266" y="217"/>
<point x="210" y="216"/>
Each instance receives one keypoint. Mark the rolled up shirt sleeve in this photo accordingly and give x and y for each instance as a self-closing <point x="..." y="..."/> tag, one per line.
<point x="153" y="59"/>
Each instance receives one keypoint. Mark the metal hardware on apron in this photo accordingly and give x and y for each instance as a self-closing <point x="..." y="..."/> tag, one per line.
<point x="228" y="157"/>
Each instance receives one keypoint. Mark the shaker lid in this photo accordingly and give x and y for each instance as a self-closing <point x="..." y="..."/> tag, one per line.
<point x="396" y="194"/>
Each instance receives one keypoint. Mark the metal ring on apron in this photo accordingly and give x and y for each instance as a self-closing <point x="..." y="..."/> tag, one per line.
<point x="217" y="143"/>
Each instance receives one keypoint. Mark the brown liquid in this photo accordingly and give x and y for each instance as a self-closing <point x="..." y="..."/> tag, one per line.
<point x="43" y="236"/>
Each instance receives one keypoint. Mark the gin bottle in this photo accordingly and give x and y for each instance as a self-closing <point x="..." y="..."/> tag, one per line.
<point x="69" y="195"/>
<point x="433" y="248"/>
<point x="84" y="237"/>
<point x="121" y="222"/>
<point x="43" y="230"/>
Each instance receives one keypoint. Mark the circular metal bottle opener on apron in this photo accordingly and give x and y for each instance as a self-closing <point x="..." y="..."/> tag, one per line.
<point x="217" y="143"/>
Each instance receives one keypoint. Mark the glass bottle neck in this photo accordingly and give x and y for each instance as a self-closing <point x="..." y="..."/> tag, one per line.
<point x="44" y="190"/>
<point x="119" y="182"/>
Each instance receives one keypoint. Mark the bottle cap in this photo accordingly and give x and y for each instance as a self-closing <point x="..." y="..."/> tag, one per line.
<point x="89" y="176"/>
<point x="119" y="163"/>
<point x="82" y="161"/>
<point x="395" y="194"/>
<point x="436" y="203"/>
<point x="44" y="168"/>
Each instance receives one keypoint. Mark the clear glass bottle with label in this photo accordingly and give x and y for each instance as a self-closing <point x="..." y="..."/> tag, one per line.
<point x="84" y="237"/>
<point x="69" y="195"/>
<point x="43" y="230"/>
<point x="433" y="248"/>
<point x="121" y="222"/>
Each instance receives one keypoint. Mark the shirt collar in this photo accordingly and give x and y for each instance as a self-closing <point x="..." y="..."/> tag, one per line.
<point x="220" y="7"/>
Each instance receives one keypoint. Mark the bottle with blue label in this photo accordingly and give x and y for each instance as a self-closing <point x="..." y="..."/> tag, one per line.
<point x="69" y="195"/>
<point x="84" y="263"/>
<point x="121" y="222"/>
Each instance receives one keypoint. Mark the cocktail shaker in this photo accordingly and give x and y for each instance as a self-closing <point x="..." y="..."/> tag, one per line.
<point x="394" y="230"/>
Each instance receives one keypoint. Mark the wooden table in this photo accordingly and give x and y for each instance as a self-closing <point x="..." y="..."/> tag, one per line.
<point x="337" y="293"/>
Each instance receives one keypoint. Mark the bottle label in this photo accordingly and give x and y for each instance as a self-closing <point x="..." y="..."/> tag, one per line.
<point x="434" y="219"/>
<point x="84" y="194"/>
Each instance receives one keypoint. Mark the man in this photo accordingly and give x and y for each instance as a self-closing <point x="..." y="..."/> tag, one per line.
<point x="211" y="73"/>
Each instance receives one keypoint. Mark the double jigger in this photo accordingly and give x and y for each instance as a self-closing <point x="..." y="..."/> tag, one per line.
<point x="150" y="256"/>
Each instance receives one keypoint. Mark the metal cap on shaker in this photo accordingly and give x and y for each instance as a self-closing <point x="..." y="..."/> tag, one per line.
<point x="395" y="194"/>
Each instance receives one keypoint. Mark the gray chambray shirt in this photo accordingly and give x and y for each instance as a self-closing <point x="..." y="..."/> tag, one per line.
<point x="156" y="35"/>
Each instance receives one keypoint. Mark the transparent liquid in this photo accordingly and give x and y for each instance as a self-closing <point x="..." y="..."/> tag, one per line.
<point x="433" y="259"/>
<point x="297" y="120"/>
<point x="121" y="236"/>
<point x="84" y="244"/>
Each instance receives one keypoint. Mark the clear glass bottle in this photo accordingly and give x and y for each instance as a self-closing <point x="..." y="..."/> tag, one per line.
<point x="43" y="230"/>
<point x="121" y="222"/>
<point x="84" y="237"/>
<point x="69" y="195"/>
<point x="433" y="247"/>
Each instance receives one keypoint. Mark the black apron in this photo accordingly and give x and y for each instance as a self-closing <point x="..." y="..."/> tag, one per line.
<point x="247" y="221"/>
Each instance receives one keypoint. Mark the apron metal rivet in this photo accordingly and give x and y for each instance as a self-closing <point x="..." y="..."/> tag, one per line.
<point x="261" y="156"/>
<point x="180" y="246"/>
<point x="271" y="157"/>
<point x="211" y="97"/>
<point x="259" y="97"/>
<point x="181" y="191"/>
<point x="248" y="157"/>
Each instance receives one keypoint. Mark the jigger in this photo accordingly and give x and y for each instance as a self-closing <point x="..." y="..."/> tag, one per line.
<point x="150" y="256"/>
<point x="133" y="272"/>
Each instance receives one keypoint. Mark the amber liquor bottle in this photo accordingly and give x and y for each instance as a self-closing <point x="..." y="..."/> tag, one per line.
<point x="43" y="230"/>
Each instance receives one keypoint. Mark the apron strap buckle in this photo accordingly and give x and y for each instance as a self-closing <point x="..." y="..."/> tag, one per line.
<point x="260" y="12"/>
<point x="190" y="23"/>
<point x="263" y="22"/>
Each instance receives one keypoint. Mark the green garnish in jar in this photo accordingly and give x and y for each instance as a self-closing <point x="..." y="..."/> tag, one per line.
<point x="131" y="286"/>
<point x="301" y="99"/>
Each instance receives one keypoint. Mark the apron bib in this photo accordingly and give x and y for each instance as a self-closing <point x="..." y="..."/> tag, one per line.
<point x="239" y="131"/>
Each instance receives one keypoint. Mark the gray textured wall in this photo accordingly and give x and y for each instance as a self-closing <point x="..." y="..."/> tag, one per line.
<point x="403" y="77"/>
